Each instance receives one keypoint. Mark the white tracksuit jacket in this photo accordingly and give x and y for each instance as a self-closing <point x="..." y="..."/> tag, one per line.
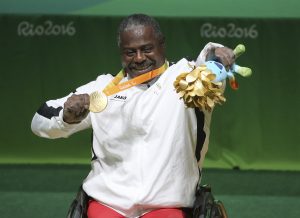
<point x="145" y="153"/>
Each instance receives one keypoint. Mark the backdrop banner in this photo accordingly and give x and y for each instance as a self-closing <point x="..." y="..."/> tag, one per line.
<point x="47" y="57"/>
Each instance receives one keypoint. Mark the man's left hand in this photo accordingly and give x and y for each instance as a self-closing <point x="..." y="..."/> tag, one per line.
<point x="225" y="56"/>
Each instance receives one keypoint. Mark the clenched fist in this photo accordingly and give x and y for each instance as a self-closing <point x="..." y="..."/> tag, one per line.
<point x="223" y="55"/>
<point x="226" y="56"/>
<point x="76" y="108"/>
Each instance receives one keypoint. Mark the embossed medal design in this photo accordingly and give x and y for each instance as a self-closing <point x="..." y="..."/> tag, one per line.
<point x="98" y="102"/>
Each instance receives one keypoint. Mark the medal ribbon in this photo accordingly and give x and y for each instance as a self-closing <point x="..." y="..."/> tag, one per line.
<point x="115" y="86"/>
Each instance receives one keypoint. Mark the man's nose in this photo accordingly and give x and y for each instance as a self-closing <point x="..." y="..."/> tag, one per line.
<point x="139" y="57"/>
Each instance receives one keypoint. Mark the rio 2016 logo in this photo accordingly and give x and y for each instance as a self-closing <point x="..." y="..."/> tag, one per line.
<point x="48" y="28"/>
<point x="230" y="30"/>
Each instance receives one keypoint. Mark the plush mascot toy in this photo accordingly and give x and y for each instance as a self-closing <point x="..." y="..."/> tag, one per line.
<point x="203" y="87"/>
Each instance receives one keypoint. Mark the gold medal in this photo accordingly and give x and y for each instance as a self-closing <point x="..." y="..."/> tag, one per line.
<point x="98" y="102"/>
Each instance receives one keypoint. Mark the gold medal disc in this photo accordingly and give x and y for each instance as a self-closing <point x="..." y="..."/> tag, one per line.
<point x="98" y="102"/>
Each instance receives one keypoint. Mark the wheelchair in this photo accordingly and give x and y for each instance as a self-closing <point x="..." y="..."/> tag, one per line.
<point x="205" y="205"/>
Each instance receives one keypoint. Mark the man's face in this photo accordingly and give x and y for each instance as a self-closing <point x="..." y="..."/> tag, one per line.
<point x="141" y="51"/>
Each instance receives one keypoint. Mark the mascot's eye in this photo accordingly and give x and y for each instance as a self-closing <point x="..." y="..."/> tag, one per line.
<point x="220" y="66"/>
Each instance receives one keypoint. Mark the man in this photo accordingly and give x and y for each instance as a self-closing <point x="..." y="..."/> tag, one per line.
<point x="146" y="143"/>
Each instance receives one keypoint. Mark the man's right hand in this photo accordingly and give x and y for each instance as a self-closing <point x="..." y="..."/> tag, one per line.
<point x="76" y="108"/>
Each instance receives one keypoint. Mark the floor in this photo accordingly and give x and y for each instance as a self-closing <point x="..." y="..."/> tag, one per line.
<point x="46" y="191"/>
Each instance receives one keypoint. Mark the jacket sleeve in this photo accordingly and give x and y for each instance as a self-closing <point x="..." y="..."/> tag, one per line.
<point x="48" y="121"/>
